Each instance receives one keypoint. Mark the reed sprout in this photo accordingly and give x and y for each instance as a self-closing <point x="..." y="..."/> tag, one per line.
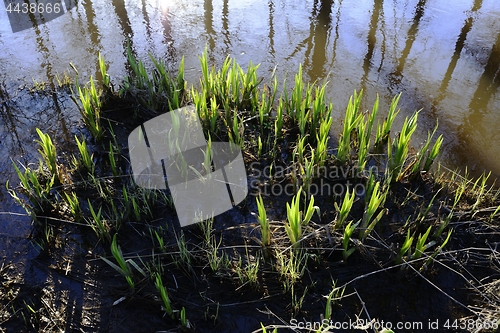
<point x="90" y="108"/>
<point x="87" y="160"/>
<point x="421" y="244"/>
<point x="48" y="152"/>
<point x="376" y="201"/>
<point x="320" y="110"/>
<point x="421" y="154"/>
<point x="363" y="144"/>
<point x="183" y="319"/>
<point x="112" y="161"/>
<point x="212" y="116"/>
<point x="232" y="87"/>
<point x="38" y="192"/>
<point x="405" y="247"/>
<point x="184" y="254"/>
<point x="236" y="133"/>
<point x="265" y="229"/>
<point x="97" y="223"/>
<point x="384" y="130"/>
<point x="438" y="249"/>
<point x="159" y="89"/>
<point x="123" y="266"/>
<point x="300" y="149"/>
<point x="345" y="209"/>
<point x="351" y="121"/>
<point x="364" y="135"/>
<point x="105" y="76"/>
<point x="167" y="307"/>
<point x="74" y="205"/>
<point x="307" y="173"/>
<point x="479" y="189"/>
<point x="300" y="102"/>
<point x="259" y="147"/>
<point x="297" y="218"/>
<point x="278" y="122"/>
<point x="334" y="296"/>
<point x="136" y="209"/>
<point x="397" y="152"/>
<point x="433" y="153"/>
<point x="321" y="152"/>
<point x="348" y="231"/>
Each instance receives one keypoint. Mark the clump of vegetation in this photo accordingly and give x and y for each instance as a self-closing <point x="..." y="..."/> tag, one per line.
<point x="391" y="210"/>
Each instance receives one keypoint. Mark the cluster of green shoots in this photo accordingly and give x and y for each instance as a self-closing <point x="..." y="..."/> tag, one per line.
<point x="159" y="91"/>
<point x="233" y="105"/>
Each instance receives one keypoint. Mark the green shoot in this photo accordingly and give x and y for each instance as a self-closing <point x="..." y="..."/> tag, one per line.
<point x="160" y="240"/>
<point x="183" y="319"/>
<point x="398" y="151"/>
<point x="98" y="224"/>
<point x="296" y="218"/>
<point x="377" y="200"/>
<point x="48" y="152"/>
<point x="433" y="153"/>
<point x="351" y="121"/>
<point x="105" y="76"/>
<point x="344" y="210"/>
<point x="278" y="122"/>
<point x="421" y="245"/>
<point x="184" y="254"/>
<point x="74" y="205"/>
<point x="291" y="267"/>
<point x="405" y="247"/>
<point x="348" y="231"/>
<point x="263" y="221"/>
<point x="481" y="191"/>
<point x="112" y="161"/>
<point x="37" y="192"/>
<point x="163" y="294"/>
<point x="384" y="130"/>
<point x="333" y="297"/>
<point x="90" y="109"/>
<point x="123" y="266"/>
<point x="86" y="158"/>
<point x="439" y="248"/>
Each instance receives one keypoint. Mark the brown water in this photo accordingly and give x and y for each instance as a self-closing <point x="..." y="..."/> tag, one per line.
<point x="444" y="58"/>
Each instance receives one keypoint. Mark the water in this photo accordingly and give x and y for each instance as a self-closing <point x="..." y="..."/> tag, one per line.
<point x="444" y="58"/>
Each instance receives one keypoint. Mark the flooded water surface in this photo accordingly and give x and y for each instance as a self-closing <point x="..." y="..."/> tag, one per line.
<point x="444" y="58"/>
